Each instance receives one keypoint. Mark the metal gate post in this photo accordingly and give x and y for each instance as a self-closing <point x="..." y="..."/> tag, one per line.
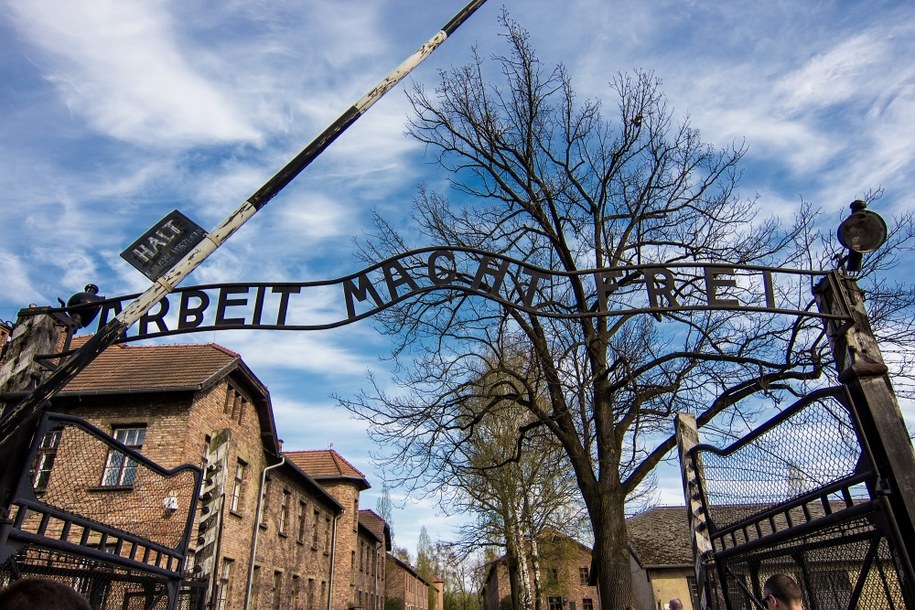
<point x="863" y="371"/>
<point x="687" y="438"/>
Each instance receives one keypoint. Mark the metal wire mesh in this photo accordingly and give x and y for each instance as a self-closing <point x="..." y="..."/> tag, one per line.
<point x="849" y="565"/>
<point x="85" y="490"/>
<point x="808" y="449"/>
<point x="799" y="496"/>
<point x="104" y="585"/>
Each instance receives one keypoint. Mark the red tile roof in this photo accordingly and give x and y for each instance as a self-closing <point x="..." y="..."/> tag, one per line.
<point x="376" y="525"/>
<point x="123" y="368"/>
<point x="325" y="464"/>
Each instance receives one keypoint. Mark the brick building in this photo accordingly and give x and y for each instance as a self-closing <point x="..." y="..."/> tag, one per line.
<point x="270" y="533"/>
<point x="355" y="548"/>
<point x="406" y="588"/>
<point x="565" y="566"/>
<point x="374" y="544"/>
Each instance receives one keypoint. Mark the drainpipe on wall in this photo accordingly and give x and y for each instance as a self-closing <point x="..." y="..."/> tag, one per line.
<point x="257" y="528"/>
<point x="333" y="557"/>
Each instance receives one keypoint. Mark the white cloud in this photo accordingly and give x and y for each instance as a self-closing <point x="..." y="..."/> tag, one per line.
<point x="16" y="282"/>
<point x="312" y="425"/>
<point x="313" y="352"/>
<point x="833" y="76"/>
<point x="117" y="63"/>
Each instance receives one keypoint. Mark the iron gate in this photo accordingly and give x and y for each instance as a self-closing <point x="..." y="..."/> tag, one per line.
<point x="801" y="495"/>
<point x="105" y="520"/>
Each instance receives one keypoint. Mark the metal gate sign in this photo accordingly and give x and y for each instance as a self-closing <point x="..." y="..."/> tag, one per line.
<point x="166" y="243"/>
<point x="615" y="291"/>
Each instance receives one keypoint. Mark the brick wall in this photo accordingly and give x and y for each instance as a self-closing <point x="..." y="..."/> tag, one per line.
<point x="293" y="569"/>
<point x="293" y="563"/>
<point x="405" y="585"/>
<point x="370" y="571"/>
<point x="346" y="493"/>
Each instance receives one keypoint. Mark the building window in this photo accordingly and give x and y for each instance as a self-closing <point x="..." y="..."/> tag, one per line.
<point x="120" y="470"/>
<point x="583" y="576"/>
<point x="323" y="599"/>
<point x="553" y="574"/>
<point x="255" y="586"/>
<point x="587" y="604"/>
<point x="277" y="584"/>
<point x="294" y="594"/>
<point x="238" y="489"/>
<point x="327" y="534"/>
<point x="225" y="579"/>
<point x="265" y="495"/>
<point x="300" y="529"/>
<point x="284" y="512"/>
<point x="314" y="530"/>
<point x="554" y="603"/>
<point x="44" y="460"/>
<point x="235" y="404"/>
<point x="311" y="593"/>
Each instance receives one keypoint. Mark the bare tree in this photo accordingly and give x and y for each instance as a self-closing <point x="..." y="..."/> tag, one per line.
<point x="385" y="509"/>
<point x="548" y="179"/>
<point x="518" y="489"/>
<point x="461" y="576"/>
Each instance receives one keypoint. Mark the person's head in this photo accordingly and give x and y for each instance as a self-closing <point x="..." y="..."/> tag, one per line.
<point x="781" y="592"/>
<point x="41" y="594"/>
<point x="675" y="604"/>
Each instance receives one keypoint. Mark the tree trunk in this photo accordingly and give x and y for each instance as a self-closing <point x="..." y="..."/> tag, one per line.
<point x="524" y="576"/>
<point x="611" y="554"/>
<point x="532" y="535"/>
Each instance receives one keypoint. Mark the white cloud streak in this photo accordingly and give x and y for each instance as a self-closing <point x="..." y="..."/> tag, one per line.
<point x="117" y="63"/>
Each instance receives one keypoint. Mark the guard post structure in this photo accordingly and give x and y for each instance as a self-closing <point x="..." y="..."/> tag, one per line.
<point x="37" y="332"/>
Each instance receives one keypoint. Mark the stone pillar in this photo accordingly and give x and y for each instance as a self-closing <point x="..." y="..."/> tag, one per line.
<point x="36" y="332"/>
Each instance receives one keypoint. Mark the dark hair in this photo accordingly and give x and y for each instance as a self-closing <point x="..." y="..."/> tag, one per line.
<point x="783" y="587"/>
<point x="41" y="594"/>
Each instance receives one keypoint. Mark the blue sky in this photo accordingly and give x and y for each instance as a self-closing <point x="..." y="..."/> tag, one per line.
<point x="115" y="112"/>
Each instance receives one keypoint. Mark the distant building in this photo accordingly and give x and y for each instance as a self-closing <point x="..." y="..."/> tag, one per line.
<point x="374" y="544"/>
<point x="565" y="576"/>
<point x="662" y="558"/>
<point x="355" y="548"/>
<point x="406" y="588"/>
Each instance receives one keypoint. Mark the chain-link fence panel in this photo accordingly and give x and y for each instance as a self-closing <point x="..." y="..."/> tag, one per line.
<point x="800" y="496"/>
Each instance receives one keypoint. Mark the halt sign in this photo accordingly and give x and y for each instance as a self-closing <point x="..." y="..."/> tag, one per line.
<point x="163" y="245"/>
